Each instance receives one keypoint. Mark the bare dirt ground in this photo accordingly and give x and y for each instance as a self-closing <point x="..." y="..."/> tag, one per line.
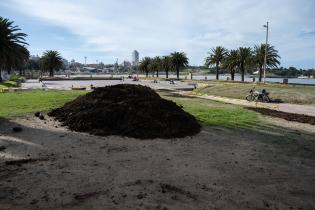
<point x="45" y="166"/>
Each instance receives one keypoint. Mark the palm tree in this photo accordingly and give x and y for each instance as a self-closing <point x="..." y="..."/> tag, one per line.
<point x="20" y="59"/>
<point x="178" y="61"/>
<point x="11" y="42"/>
<point x="259" y="57"/>
<point x="231" y="62"/>
<point x="156" y="65"/>
<point x="216" y="57"/>
<point x="144" y="65"/>
<point x="244" y="59"/>
<point x="166" y="64"/>
<point x="51" y="61"/>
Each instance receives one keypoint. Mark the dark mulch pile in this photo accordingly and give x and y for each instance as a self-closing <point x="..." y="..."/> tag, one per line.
<point x="126" y="110"/>
<point x="284" y="115"/>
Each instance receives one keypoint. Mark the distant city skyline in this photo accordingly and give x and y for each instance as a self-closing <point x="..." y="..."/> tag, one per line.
<point x="104" y="30"/>
<point x="135" y="58"/>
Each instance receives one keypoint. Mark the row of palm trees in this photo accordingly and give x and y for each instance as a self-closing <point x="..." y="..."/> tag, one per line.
<point x="14" y="54"/>
<point x="242" y="59"/>
<point x="13" y="51"/>
<point x="173" y="62"/>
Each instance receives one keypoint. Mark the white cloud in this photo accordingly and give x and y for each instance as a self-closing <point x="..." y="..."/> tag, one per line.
<point x="117" y="27"/>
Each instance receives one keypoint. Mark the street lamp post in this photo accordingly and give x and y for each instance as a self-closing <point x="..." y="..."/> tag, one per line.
<point x="266" y="47"/>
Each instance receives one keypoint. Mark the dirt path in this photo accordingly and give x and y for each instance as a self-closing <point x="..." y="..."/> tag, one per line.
<point x="45" y="166"/>
<point x="290" y="108"/>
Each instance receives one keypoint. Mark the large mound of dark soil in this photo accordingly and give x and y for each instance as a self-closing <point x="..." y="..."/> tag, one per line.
<point x="284" y="115"/>
<point x="126" y="110"/>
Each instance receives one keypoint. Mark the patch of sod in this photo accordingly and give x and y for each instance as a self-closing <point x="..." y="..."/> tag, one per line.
<point x="20" y="103"/>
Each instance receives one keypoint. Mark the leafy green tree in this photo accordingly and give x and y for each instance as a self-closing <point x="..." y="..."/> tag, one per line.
<point x="166" y="64"/>
<point x="244" y="59"/>
<point x="144" y="65"/>
<point x="51" y="61"/>
<point x="290" y="72"/>
<point x="231" y="63"/>
<point x="12" y="45"/>
<point x="216" y="57"/>
<point x="179" y="60"/>
<point x="259" y="58"/>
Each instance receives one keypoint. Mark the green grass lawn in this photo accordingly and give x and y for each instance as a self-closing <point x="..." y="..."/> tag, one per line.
<point x="294" y="94"/>
<point x="207" y="112"/>
<point x="20" y="103"/>
<point x="215" y="113"/>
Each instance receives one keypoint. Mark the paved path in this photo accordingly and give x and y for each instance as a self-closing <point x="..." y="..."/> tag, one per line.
<point x="67" y="84"/>
<point x="290" y="108"/>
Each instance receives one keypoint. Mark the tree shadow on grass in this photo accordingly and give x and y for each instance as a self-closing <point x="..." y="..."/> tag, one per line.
<point x="168" y="93"/>
<point x="277" y="101"/>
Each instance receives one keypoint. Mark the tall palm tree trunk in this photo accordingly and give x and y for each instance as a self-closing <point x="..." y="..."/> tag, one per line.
<point x="260" y="74"/>
<point x="166" y="71"/>
<point x="243" y="74"/>
<point x="232" y="75"/>
<point x="157" y="73"/>
<point x="177" y="72"/>
<point x="146" y="73"/>
<point x="51" y="73"/>
<point x="217" y="67"/>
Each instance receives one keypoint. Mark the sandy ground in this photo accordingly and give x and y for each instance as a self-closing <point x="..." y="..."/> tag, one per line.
<point x="217" y="169"/>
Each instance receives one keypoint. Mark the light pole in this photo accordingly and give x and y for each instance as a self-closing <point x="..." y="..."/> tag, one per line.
<point x="266" y="47"/>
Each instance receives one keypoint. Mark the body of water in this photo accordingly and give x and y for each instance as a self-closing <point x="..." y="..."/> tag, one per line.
<point x="249" y="79"/>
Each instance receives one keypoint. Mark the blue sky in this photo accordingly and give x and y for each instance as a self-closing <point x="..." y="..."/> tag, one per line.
<point x="104" y="30"/>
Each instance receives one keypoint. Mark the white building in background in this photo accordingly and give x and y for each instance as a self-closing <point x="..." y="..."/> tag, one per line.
<point x="135" y="58"/>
